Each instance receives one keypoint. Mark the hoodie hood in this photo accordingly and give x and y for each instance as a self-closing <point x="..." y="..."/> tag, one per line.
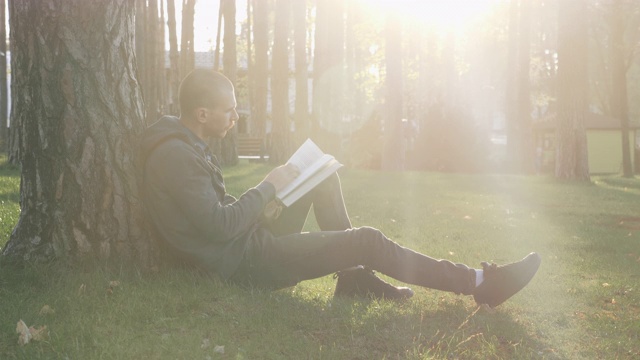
<point x="168" y="127"/>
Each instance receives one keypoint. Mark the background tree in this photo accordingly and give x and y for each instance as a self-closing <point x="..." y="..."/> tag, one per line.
<point x="260" y="70"/>
<point x="619" y="67"/>
<point x="393" y="155"/>
<point x="4" y="131"/>
<point x="174" y="74"/>
<point x="280" y="133"/>
<point x="230" y="69"/>
<point x="187" y="50"/>
<point x="301" y="113"/>
<point x="571" y="147"/>
<point x="78" y="115"/>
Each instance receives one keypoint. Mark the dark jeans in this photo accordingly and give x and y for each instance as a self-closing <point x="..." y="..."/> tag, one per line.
<point x="281" y="256"/>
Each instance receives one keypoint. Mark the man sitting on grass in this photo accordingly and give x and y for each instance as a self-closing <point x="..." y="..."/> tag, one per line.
<point x="248" y="241"/>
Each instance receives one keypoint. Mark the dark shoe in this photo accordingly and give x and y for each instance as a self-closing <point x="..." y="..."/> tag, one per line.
<point x="502" y="282"/>
<point x="362" y="282"/>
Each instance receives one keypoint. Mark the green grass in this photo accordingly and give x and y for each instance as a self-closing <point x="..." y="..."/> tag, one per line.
<point x="584" y="302"/>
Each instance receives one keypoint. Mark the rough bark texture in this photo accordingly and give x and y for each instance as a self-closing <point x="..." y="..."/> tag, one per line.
<point x="78" y="113"/>
<point x="571" y="148"/>
<point x="280" y="135"/>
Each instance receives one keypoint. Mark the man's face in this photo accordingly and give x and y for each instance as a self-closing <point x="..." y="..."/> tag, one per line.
<point x="220" y="119"/>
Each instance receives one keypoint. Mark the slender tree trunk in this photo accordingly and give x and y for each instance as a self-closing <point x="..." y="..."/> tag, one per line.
<point x="151" y="64"/>
<point x="174" y="74"/>
<point x="393" y="155"/>
<point x="261" y="68"/>
<point x="163" y="79"/>
<point x="301" y="116"/>
<point x="619" y="102"/>
<point x="281" y="134"/>
<point x="79" y="115"/>
<point x="14" y="139"/>
<point x="526" y="151"/>
<point x="4" y="131"/>
<point x="187" y="55"/>
<point x="230" y="69"/>
<point x="250" y="80"/>
<point x="216" y="56"/>
<point x="511" y="91"/>
<point x="571" y="148"/>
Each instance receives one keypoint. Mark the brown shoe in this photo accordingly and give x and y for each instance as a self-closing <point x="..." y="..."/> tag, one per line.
<point x="502" y="282"/>
<point x="362" y="282"/>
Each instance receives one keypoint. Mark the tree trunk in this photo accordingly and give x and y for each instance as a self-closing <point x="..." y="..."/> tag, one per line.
<point x="230" y="69"/>
<point x="571" y="148"/>
<point x="526" y="151"/>
<point x="511" y="88"/>
<point x="187" y="52"/>
<point x="393" y="155"/>
<point x="79" y="115"/>
<point x="619" y="102"/>
<point x="4" y="131"/>
<point x="280" y="136"/>
<point x="150" y="66"/>
<point x="301" y="114"/>
<point x="216" y="54"/>
<point x="261" y="68"/>
<point x="174" y="74"/>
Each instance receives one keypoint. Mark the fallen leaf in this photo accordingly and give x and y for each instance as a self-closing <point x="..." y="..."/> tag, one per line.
<point x="606" y="284"/>
<point x="114" y="283"/>
<point x="467" y="217"/>
<point x="219" y="349"/>
<point x="47" y="310"/>
<point x="205" y="343"/>
<point x="451" y="253"/>
<point x="39" y="334"/>
<point x="25" y="334"/>
<point x="82" y="289"/>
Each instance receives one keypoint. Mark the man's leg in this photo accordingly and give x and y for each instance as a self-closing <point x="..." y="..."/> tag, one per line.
<point x="278" y="262"/>
<point x="328" y="207"/>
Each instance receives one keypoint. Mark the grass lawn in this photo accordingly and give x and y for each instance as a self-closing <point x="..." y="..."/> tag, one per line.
<point x="584" y="302"/>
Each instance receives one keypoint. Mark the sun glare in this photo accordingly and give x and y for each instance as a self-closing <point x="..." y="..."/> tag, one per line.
<point x="442" y="15"/>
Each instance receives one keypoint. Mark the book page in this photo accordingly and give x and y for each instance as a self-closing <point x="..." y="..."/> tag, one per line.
<point x="306" y="155"/>
<point x="314" y="166"/>
<point x="322" y="173"/>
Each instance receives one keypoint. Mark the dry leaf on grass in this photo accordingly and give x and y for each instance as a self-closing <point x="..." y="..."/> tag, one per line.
<point x="26" y="334"/>
<point x="219" y="349"/>
<point x="47" y="310"/>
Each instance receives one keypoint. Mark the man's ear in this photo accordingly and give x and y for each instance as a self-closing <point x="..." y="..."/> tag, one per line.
<point x="200" y="114"/>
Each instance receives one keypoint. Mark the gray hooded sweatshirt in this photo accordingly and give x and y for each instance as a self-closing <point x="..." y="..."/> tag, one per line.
<point x="186" y="201"/>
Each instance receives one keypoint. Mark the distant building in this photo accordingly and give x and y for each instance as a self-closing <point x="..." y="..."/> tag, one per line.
<point x="604" y="143"/>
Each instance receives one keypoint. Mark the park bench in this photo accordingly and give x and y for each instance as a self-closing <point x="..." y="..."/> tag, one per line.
<point x="251" y="147"/>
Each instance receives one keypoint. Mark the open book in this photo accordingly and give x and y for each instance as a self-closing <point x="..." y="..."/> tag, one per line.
<point x="314" y="165"/>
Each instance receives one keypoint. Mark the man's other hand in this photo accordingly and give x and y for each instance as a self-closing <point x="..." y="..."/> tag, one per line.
<point x="282" y="176"/>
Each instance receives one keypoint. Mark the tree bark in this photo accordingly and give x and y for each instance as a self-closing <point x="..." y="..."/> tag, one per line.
<point x="280" y="135"/>
<point x="4" y="131"/>
<point x="261" y="67"/>
<point x="301" y="114"/>
<point x="511" y="88"/>
<point x="174" y="76"/>
<point x="571" y="139"/>
<point x="619" y="101"/>
<point x="526" y="151"/>
<point x="230" y="69"/>
<point x="187" y="52"/>
<point x="79" y="114"/>
<point x="393" y="155"/>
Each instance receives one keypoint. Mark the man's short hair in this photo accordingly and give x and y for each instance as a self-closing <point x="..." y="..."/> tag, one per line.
<point x="200" y="88"/>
